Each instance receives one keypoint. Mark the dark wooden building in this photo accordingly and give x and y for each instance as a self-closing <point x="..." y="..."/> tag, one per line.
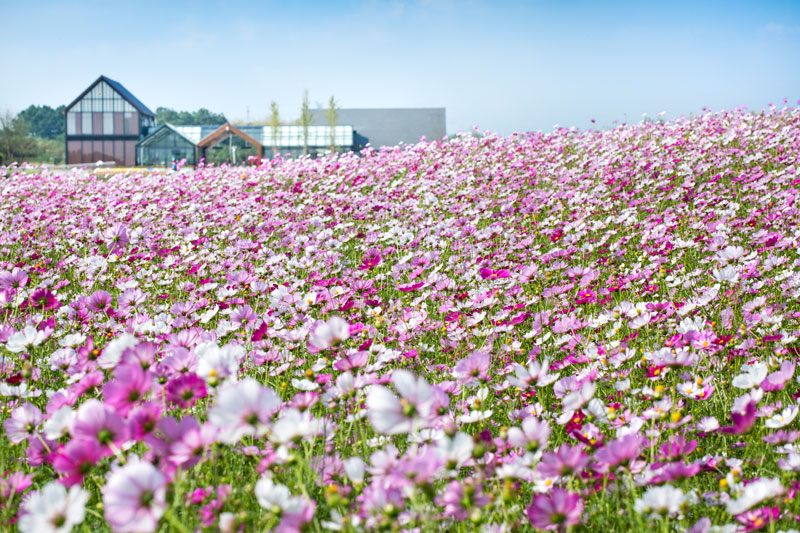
<point x="104" y="123"/>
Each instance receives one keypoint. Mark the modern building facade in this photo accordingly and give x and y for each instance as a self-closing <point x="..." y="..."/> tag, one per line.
<point x="104" y="123"/>
<point x="388" y="127"/>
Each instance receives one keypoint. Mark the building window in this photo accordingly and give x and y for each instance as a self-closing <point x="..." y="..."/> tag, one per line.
<point x="108" y="123"/>
<point x="86" y="123"/>
<point x="72" y="126"/>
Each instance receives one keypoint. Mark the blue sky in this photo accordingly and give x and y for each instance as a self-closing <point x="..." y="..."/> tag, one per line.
<point x="504" y="66"/>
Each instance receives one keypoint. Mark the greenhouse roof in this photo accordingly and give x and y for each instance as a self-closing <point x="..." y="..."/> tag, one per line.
<point x="290" y="136"/>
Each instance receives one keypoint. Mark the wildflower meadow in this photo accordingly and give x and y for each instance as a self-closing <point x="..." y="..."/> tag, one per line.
<point x="568" y="331"/>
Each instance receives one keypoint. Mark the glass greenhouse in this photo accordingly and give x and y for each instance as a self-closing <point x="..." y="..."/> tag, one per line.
<point x="163" y="145"/>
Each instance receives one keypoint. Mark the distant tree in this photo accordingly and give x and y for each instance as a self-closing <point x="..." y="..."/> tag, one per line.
<point x="305" y="120"/>
<point x="201" y="117"/>
<point x="15" y="142"/>
<point x="44" y="121"/>
<point x="275" y="124"/>
<point x="204" y="117"/>
<point x="332" y="115"/>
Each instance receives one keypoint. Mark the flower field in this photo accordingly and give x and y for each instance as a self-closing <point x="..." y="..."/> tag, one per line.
<point x="579" y="331"/>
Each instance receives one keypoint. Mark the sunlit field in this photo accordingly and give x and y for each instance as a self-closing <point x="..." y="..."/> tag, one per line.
<point x="571" y="331"/>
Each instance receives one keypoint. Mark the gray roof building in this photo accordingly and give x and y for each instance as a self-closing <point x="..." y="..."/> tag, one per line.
<point x="388" y="127"/>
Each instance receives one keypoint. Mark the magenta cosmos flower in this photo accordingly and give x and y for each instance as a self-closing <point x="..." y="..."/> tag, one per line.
<point x="557" y="511"/>
<point x="488" y="273"/>
<point x="370" y="262"/>
<point x="185" y="390"/>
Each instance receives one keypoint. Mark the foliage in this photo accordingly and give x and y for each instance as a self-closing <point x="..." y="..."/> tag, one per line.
<point x="305" y="120"/>
<point x="44" y="121"/>
<point x="15" y="142"/>
<point x="275" y="125"/>
<point x="332" y="116"/>
<point x="201" y="117"/>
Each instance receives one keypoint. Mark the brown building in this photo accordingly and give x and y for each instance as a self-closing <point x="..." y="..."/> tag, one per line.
<point x="104" y="123"/>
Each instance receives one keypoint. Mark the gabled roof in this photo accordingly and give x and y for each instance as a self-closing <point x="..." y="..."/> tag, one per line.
<point x="147" y="140"/>
<point x="123" y="92"/>
<point x="223" y="132"/>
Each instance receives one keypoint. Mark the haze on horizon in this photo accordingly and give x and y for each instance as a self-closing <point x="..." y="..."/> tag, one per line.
<point x="504" y="66"/>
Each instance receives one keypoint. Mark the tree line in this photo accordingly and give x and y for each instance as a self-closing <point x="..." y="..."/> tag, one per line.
<point x="36" y="134"/>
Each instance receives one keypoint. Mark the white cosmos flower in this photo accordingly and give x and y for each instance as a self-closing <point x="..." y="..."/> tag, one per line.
<point x="73" y="339"/>
<point x="475" y="415"/>
<point x="792" y="462"/>
<point x="243" y="408"/>
<point x="58" y="424"/>
<point x="391" y="415"/>
<point x="707" y="424"/>
<point x="456" y="450"/>
<point x="30" y="336"/>
<point x="112" y="352"/>
<point x="663" y="500"/>
<point x="276" y="497"/>
<point x="754" y="493"/>
<point x="294" y="425"/>
<point x="728" y="274"/>
<point x="578" y="398"/>
<point x="304" y="384"/>
<point x="215" y="363"/>
<point x="329" y="333"/>
<point x="752" y="377"/>
<point x="784" y="418"/>
<point x="53" y="509"/>
<point x="354" y="468"/>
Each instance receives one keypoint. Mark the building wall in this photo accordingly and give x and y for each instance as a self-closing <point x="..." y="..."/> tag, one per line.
<point x="388" y="127"/>
<point x="103" y="126"/>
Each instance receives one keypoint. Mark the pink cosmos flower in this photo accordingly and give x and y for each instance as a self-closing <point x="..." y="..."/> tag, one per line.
<point x="99" y="301"/>
<point x="777" y="380"/>
<point x="244" y="317"/>
<point x="192" y="444"/>
<point x="534" y="435"/>
<point x="116" y="238"/>
<point x="459" y="499"/>
<point x="135" y="497"/>
<point x="76" y="459"/>
<point x="16" y="279"/>
<point x="557" y="511"/>
<point x="475" y="366"/>
<point x="128" y="388"/>
<point x="99" y="423"/>
<point x="756" y="519"/>
<point x="352" y="361"/>
<point x="410" y="287"/>
<point x="143" y="419"/>
<point x="565" y="461"/>
<point x="23" y="422"/>
<point x="619" y="452"/>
